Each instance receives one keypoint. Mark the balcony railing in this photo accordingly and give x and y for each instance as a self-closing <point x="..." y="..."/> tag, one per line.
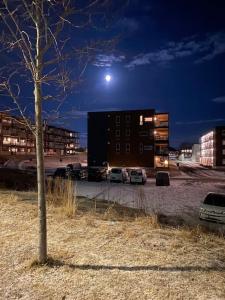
<point x="162" y="124"/>
<point x="161" y="138"/>
<point x="162" y="152"/>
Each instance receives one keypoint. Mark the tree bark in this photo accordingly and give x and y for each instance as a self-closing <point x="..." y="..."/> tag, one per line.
<point x="39" y="142"/>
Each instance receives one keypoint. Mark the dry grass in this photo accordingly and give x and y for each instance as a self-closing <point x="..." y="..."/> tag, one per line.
<point x="62" y="194"/>
<point x="104" y="253"/>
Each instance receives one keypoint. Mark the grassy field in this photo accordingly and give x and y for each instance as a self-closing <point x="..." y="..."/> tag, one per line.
<point x="105" y="252"/>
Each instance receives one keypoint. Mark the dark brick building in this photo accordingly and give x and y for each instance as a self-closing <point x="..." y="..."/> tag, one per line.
<point x="212" y="148"/>
<point x="128" y="138"/>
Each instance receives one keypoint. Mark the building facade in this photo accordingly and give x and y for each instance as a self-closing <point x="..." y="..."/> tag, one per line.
<point x="135" y="138"/>
<point x="212" y="148"/>
<point x="17" y="138"/>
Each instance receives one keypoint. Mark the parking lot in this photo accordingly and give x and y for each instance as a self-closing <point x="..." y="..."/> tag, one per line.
<point x="182" y="198"/>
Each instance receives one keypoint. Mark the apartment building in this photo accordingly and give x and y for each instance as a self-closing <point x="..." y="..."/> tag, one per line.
<point x="134" y="138"/>
<point x="16" y="138"/>
<point x="212" y="148"/>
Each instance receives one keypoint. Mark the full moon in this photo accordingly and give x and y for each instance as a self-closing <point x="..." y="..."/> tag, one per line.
<point x="108" y="78"/>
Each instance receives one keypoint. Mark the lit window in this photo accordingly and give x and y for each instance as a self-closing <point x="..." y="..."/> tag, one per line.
<point x="223" y="151"/>
<point x="117" y="133"/>
<point x="148" y="119"/>
<point x="127" y="132"/>
<point x="223" y="142"/>
<point x="127" y="148"/>
<point x="117" y="147"/>
<point x="141" y="120"/>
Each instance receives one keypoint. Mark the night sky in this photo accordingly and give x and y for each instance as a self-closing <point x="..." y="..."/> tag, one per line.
<point x="171" y="57"/>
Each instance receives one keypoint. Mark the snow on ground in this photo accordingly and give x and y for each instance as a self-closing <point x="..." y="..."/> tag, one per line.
<point x="181" y="198"/>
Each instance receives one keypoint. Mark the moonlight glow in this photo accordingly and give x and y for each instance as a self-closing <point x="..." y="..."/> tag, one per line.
<point x="108" y="78"/>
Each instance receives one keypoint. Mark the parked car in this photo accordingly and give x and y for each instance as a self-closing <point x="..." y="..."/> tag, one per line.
<point x="138" y="176"/>
<point x="118" y="175"/>
<point x="74" y="166"/>
<point x="213" y="208"/>
<point x="76" y="171"/>
<point x="60" y="173"/>
<point x="162" y="178"/>
<point x="97" y="174"/>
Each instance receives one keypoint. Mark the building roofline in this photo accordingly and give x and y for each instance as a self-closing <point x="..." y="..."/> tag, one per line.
<point x="129" y="110"/>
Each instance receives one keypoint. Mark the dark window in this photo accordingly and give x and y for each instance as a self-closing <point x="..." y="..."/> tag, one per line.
<point x="127" y="148"/>
<point x="143" y="133"/>
<point x="117" y="147"/>
<point x="127" y="118"/>
<point x="127" y="132"/>
<point x="118" y="133"/>
<point x="117" y="120"/>
<point x="141" y="147"/>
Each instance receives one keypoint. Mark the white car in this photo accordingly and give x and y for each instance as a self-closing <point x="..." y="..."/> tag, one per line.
<point x="138" y="176"/>
<point x="118" y="175"/>
<point x="213" y="208"/>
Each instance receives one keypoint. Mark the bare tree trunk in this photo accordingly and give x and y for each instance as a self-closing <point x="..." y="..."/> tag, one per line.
<point x="39" y="142"/>
<point x="40" y="177"/>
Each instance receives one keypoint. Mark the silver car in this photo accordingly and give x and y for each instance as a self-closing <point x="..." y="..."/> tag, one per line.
<point x="213" y="208"/>
<point x="138" y="176"/>
<point x="118" y="175"/>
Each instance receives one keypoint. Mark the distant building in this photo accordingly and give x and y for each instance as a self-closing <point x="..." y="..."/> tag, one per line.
<point x="16" y="138"/>
<point x="212" y="148"/>
<point x="185" y="152"/>
<point x="134" y="138"/>
<point x="195" y="153"/>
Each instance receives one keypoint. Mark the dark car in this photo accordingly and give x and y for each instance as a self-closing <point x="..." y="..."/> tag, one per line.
<point x="162" y="178"/>
<point x="61" y="173"/>
<point x="97" y="174"/>
<point x="76" y="171"/>
<point x="74" y="166"/>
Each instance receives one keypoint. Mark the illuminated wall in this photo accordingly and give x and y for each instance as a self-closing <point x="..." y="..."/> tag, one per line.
<point x="207" y="149"/>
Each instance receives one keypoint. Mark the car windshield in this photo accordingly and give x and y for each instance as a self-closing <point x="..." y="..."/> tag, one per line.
<point x="116" y="171"/>
<point x="136" y="173"/>
<point x="215" y="200"/>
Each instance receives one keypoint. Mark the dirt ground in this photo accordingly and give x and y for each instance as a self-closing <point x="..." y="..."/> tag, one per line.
<point x="101" y="255"/>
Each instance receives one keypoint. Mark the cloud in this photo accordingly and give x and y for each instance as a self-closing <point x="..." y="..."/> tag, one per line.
<point x="200" y="122"/>
<point x="219" y="99"/>
<point x="103" y="60"/>
<point x="203" y="49"/>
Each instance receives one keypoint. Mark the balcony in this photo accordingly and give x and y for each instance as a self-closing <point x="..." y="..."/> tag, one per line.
<point x="161" y="138"/>
<point x="161" y="124"/>
<point x="162" y="152"/>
